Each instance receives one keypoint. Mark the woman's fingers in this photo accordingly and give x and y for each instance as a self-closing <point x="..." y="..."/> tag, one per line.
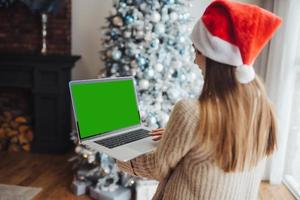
<point x="156" y="133"/>
<point x="157" y="130"/>
<point x="156" y="138"/>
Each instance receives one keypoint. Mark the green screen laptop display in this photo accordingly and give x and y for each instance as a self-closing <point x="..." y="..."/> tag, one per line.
<point x="104" y="106"/>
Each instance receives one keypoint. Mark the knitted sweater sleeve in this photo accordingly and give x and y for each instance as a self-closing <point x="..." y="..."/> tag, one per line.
<point x="177" y="140"/>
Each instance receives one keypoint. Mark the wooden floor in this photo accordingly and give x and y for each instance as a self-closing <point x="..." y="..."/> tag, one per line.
<point x="53" y="173"/>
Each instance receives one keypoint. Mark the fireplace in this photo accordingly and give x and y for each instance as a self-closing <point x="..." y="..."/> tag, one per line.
<point x="16" y="129"/>
<point x="34" y="95"/>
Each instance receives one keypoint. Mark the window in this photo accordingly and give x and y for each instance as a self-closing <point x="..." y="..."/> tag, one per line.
<point x="292" y="164"/>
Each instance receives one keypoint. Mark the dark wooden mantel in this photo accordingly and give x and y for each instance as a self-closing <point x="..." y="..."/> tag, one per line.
<point x="47" y="77"/>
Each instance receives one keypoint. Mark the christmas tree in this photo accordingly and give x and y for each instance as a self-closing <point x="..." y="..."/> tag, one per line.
<point x="147" y="39"/>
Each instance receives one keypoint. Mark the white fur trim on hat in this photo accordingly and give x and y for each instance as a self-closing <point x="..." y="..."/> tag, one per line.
<point x="245" y="73"/>
<point x="221" y="51"/>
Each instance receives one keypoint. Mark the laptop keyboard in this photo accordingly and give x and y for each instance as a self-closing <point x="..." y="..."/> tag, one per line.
<point x="124" y="138"/>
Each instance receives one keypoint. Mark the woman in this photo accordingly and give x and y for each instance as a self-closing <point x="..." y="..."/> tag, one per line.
<point x="215" y="147"/>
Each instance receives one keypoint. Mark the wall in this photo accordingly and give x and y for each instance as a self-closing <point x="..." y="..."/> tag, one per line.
<point x="88" y="17"/>
<point x="20" y="30"/>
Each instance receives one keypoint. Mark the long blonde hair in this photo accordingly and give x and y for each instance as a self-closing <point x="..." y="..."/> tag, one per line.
<point x="237" y="121"/>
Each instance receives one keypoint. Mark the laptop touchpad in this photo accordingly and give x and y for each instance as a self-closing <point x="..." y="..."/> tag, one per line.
<point x="145" y="145"/>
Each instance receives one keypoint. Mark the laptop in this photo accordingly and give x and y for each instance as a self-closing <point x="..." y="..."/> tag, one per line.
<point x="107" y="117"/>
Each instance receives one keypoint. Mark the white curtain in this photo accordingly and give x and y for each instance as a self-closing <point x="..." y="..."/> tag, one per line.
<point x="276" y="66"/>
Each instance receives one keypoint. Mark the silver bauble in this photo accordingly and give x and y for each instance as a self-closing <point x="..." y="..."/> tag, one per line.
<point x="127" y="34"/>
<point x="78" y="149"/>
<point x="154" y="43"/>
<point x="160" y="28"/>
<point x="150" y="73"/>
<point x="91" y="158"/>
<point x="173" y="16"/>
<point x="176" y="64"/>
<point x="127" y="68"/>
<point x="155" y="17"/>
<point x="158" y="67"/>
<point x="116" y="54"/>
<point x="173" y="94"/>
<point x="140" y="34"/>
<point x="153" y="121"/>
<point x="133" y="72"/>
<point x="143" y="6"/>
<point x="148" y="36"/>
<point x="144" y="84"/>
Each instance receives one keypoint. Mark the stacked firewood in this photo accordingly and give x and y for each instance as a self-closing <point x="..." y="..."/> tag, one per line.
<point x="15" y="132"/>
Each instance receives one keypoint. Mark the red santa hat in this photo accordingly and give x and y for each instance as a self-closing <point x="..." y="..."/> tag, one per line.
<point x="234" y="33"/>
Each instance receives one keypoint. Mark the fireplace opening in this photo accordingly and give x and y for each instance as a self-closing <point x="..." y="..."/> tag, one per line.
<point x="16" y="121"/>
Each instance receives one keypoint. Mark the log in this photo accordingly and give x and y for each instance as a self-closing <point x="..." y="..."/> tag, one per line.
<point x="11" y="133"/>
<point x="2" y="133"/>
<point x="29" y="135"/>
<point x="5" y="125"/>
<point x="23" y="139"/>
<point x="21" y="119"/>
<point x="14" y="124"/>
<point x="13" y="147"/>
<point x="14" y="140"/>
<point x="23" y="129"/>
<point x="7" y="116"/>
<point x="26" y="147"/>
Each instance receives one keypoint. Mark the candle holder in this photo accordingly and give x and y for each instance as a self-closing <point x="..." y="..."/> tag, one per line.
<point x="44" y="33"/>
<point x="44" y="7"/>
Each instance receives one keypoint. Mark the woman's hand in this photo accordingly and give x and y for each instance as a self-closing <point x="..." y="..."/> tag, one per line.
<point x="157" y="133"/>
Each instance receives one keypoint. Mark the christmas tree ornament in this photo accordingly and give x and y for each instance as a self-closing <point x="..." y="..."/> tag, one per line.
<point x="116" y="54"/>
<point x="114" y="35"/>
<point x="150" y="73"/>
<point x="169" y="1"/>
<point x="173" y="16"/>
<point x="143" y="84"/>
<point x="152" y="121"/>
<point x="133" y="72"/>
<point x="155" y="17"/>
<point x="117" y="21"/>
<point x="159" y="28"/>
<point x="139" y="34"/>
<point x="154" y="44"/>
<point x="143" y="6"/>
<point x="141" y="61"/>
<point x="78" y="149"/>
<point x="158" y="67"/>
<point x="148" y="36"/>
<point x="129" y="19"/>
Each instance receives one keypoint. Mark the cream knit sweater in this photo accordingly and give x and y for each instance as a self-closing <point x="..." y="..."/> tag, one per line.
<point x="184" y="170"/>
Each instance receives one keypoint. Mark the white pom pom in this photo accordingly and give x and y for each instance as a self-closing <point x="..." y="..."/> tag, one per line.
<point x="245" y="73"/>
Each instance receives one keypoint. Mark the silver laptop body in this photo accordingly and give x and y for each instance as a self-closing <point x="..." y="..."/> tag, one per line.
<point x="124" y="152"/>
